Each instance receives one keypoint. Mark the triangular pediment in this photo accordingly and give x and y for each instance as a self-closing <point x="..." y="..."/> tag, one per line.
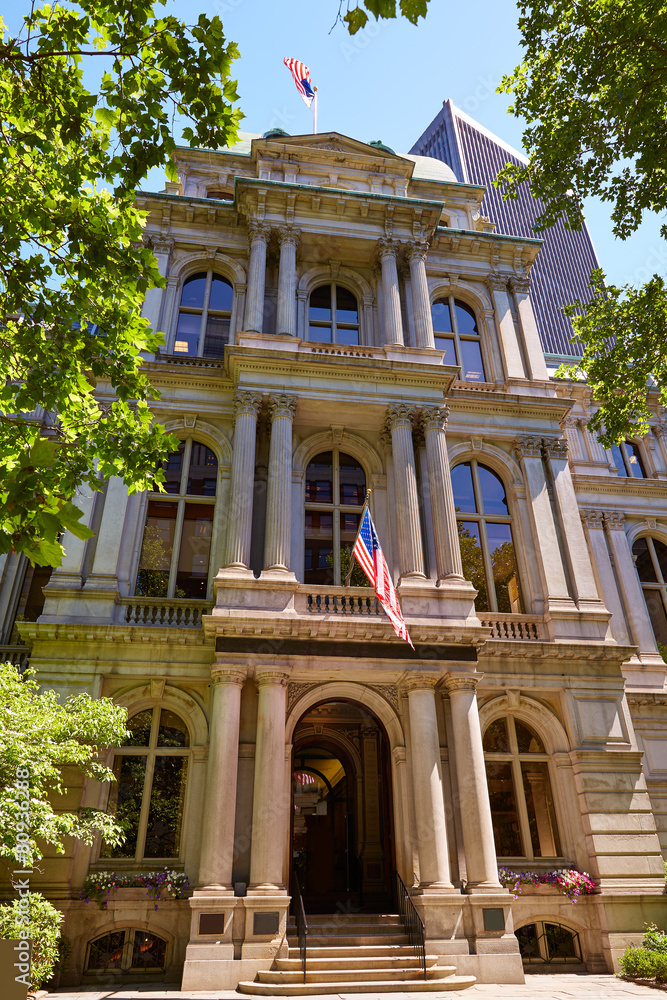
<point x="332" y="142"/>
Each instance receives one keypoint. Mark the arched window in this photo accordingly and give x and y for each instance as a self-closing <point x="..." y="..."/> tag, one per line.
<point x="485" y="537"/>
<point x="456" y="333"/>
<point x="333" y="316"/>
<point x="543" y="943"/>
<point x="335" y="493"/>
<point x="204" y="315"/>
<point x="522" y="807"/>
<point x="176" y="545"/>
<point x="130" y="950"/>
<point x="650" y="557"/>
<point x="628" y="460"/>
<point x="149" y="792"/>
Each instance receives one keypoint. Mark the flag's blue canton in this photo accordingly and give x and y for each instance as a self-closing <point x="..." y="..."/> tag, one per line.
<point x="307" y="87"/>
<point x="368" y="533"/>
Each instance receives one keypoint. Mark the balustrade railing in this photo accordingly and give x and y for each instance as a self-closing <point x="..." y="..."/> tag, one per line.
<point x="342" y="603"/>
<point x="162" y="612"/>
<point x="412" y="922"/>
<point x="518" y="627"/>
<point x="300" y="920"/>
<point x="18" y="655"/>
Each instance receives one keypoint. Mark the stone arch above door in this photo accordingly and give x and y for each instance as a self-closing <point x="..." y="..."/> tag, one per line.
<point x="363" y="694"/>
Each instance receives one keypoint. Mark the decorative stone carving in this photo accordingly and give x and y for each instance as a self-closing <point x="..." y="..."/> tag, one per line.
<point x="228" y="675"/>
<point x="246" y="402"/>
<point x="614" y="521"/>
<point x="295" y="692"/>
<point x="258" y="231"/>
<point x="282" y="405"/>
<point x="434" y="418"/>
<point x="520" y="284"/>
<point x="462" y="682"/>
<point x="527" y="446"/>
<point x="592" y="518"/>
<point x="265" y="677"/>
<point x="288" y="234"/>
<point x="399" y="415"/>
<point x="496" y="282"/>
<point x="416" y="250"/>
<point x="189" y="420"/>
<point x="555" y="447"/>
<point x="337" y="431"/>
<point x="389" y="692"/>
<point x="159" y="244"/>
<point x="387" y="248"/>
<point x="420" y="682"/>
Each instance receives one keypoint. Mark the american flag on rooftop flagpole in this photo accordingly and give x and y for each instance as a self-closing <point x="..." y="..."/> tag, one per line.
<point x="368" y="553"/>
<point x="301" y="75"/>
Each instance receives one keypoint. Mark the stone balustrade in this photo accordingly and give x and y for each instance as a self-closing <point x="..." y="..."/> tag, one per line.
<point x="344" y="601"/>
<point x="162" y="612"/>
<point x="518" y="627"/>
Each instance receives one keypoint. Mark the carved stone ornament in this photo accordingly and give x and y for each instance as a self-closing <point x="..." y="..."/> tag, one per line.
<point x="288" y="234"/>
<point x="526" y="446"/>
<point x="337" y="431"/>
<point x="246" y="402"/>
<point x="461" y="682"/>
<point x="421" y="682"/>
<point x="159" y="244"/>
<point x="295" y="692"/>
<point x="651" y="523"/>
<point x="520" y="284"/>
<point x="389" y="692"/>
<point x="189" y="420"/>
<point x="434" y="418"/>
<point x="228" y="675"/>
<point x="258" y="231"/>
<point x="416" y="250"/>
<point x="592" y="518"/>
<point x="496" y="282"/>
<point x="615" y="521"/>
<point x="555" y="447"/>
<point x="157" y="687"/>
<point x="399" y="415"/>
<point x="387" y="248"/>
<point x="282" y="405"/>
<point x="263" y="678"/>
<point x="660" y="430"/>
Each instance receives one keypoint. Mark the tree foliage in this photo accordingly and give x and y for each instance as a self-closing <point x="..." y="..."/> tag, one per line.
<point x="356" y="17"/>
<point x="73" y="268"/>
<point x="592" y="90"/>
<point x="43" y="922"/>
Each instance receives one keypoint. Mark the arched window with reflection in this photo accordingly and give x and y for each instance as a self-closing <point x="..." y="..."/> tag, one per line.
<point x="335" y="494"/>
<point x="148" y="795"/>
<point x="130" y="950"/>
<point x="522" y="806"/>
<point x="485" y="536"/>
<point x="333" y="316"/>
<point x="628" y="460"/>
<point x="456" y="333"/>
<point x="650" y="557"/>
<point x="204" y="315"/>
<point x="176" y="545"/>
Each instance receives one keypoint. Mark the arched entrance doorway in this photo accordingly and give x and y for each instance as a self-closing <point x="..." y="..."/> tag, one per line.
<point x="342" y="844"/>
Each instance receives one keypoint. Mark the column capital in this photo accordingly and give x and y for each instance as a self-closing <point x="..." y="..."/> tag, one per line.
<point x="258" y="231"/>
<point x="462" y="682"/>
<point x="520" y="284"/>
<point x="496" y="282"/>
<point x="614" y="521"/>
<point x="416" y="250"/>
<point x="228" y="675"/>
<point x="421" y="682"/>
<point x="434" y="418"/>
<point x="289" y="235"/>
<point x="555" y="447"/>
<point x="265" y="678"/>
<point x="158" y="243"/>
<point x="592" y="518"/>
<point x="282" y="405"/>
<point x="399" y="415"/>
<point x="660" y="430"/>
<point x="387" y="248"/>
<point x="526" y="446"/>
<point x="246" y="402"/>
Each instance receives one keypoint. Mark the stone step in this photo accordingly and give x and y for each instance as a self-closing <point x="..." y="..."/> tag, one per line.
<point x="352" y="951"/>
<point x="380" y="986"/>
<point x="351" y="940"/>
<point x="345" y="974"/>
<point x="349" y="927"/>
<point x="353" y="961"/>
<point x="343" y="919"/>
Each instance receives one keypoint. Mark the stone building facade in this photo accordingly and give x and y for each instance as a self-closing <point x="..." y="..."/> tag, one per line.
<point x="337" y="319"/>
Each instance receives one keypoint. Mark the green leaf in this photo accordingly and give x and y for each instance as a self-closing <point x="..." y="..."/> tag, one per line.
<point x="356" y="19"/>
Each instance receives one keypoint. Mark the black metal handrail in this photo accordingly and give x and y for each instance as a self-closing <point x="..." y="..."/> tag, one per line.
<point x="412" y="922"/>
<point x="301" y="922"/>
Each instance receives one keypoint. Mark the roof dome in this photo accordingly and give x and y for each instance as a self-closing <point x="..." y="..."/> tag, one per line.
<point x="274" y="133"/>
<point x="381" y="145"/>
<point x="428" y="168"/>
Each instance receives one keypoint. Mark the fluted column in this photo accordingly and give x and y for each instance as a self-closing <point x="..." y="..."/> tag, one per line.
<point x="497" y="285"/>
<point x="445" y="533"/>
<point x="593" y="524"/>
<point x="427" y="783"/>
<point x="393" y="323"/>
<point x="626" y="574"/>
<point x="278" y="507"/>
<point x="268" y="812"/>
<point x="421" y="301"/>
<point x="109" y="535"/>
<point x="475" y="808"/>
<point x="410" y="551"/>
<point x="217" y="847"/>
<point x="288" y="239"/>
<point x="520" y="285"/>
<point x="258" y="234"/>
<point x="239" y="511"/>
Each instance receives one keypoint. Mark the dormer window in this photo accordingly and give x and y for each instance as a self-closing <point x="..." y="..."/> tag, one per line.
<point x="204" y="316"/>
<point x="333" y="316"/>
<point x="456" y="333"/>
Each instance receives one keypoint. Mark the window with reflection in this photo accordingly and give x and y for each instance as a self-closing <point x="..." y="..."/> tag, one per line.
<point x="176" y="546"/>
<point x="204" y="315"/>
<point x="129" y="950"/>
<point x="456" y="333"/>
<point x="333" y="316"/>
<point x="148" y="794"/>
<point x="335" y="495"/>
<point x="541" y="943"/>
<point x="522" y="806"/>
<point x="485" y="537"/>
<point x="628" y="460"/>
<point x="650" y="557"/>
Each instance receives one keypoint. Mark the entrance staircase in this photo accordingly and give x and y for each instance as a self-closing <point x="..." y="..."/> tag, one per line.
<point x="354" y="953"/>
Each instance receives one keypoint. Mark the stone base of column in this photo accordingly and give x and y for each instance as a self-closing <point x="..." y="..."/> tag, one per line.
<point x="452" y="599"/>
<point x="279" y="574"/>
<point x="436" y="888"/>
<point x="565" y="621"/>
<point x="474" y="888"/>
<point x="275" y="341"/>
<point x="418" y="355"/>
<point x="265" y="925"/>
<point x="88" y="604"/>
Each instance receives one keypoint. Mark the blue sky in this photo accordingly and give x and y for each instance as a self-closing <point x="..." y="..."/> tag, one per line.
<point x="389" y="81"/>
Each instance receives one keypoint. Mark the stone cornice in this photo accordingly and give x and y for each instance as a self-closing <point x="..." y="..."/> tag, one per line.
<point x="616" y="485"/>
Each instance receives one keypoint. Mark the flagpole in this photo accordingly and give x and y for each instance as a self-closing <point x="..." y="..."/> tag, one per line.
<point x="361" y="521"/>
<point x="315" y="112"/>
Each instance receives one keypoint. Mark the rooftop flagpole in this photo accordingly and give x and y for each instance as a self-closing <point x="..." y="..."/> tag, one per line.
<point x="361" y="519"/>
<point x="315" y="112"/>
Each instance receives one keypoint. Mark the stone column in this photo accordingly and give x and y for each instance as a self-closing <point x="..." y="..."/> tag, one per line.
<point x="288" y="238"/>
<point x="421" y="301"/>
<point x="278" y="507"/>
<point x="593" y="523"/>
<point x="529" y="452"/>
<point x="626" y="574"/>
<point x="497" y="285"/>
<point x="427" y="783"/>
<point x="583" y="580"/>
<point x="410" y="551"/>
<point x="393" y="323"/>
<point x="109" y="536"/>
<point x="445" y="533"/>
<point x="474" y="805"/>
<point x="254" y="308"/>
<point x="162" y="247"/>
<point x="68" y="574"/>
<point x="239" y="512"/>
<point x="217" y="848"/>
<point x="537" y="367"/>
<point x="268" y="812"/>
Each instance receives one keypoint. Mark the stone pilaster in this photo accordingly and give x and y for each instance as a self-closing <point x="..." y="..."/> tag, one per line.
<point x="497" y="285"/>
<point x="163" y="248"/>
<point x="474" y="805"/>
<point x="278" y="507"/>
<point x="393" y="323"/>
<point x="103" y="572"/>
<point x="427" y="784"/>
<point x="288" y="239"/>
<point x="537" y="368"/>
<point x="445" y="533"/>
<point x="268" y="802"/>
<point x="239" y="513"/>
<point x="421" y="301"/>
<point x="593" y="526"/>
<point x="258" y="235"/>
<point x="410" y="551"/>
<point x="217" y="848"/>
<point x="626" y="574"/>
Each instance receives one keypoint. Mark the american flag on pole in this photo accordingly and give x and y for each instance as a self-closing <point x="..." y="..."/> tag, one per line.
<point x="368" y="553"/>
<point x="301" y="75"/>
